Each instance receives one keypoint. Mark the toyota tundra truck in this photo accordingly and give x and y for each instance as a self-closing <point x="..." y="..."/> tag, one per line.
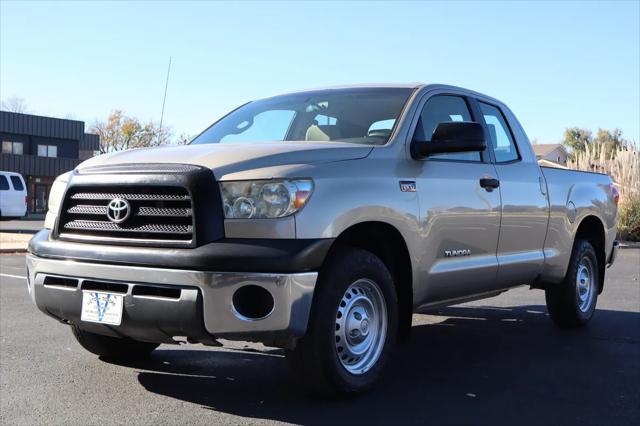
<point x="318" y="222"/>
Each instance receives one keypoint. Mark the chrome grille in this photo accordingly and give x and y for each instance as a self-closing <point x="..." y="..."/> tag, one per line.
<point x="96" y="225"/>
<point x="158" y="214"/>
<point x="163" y="211"/>
<point x="88" y="210"/>
<point x="130" y="196"/>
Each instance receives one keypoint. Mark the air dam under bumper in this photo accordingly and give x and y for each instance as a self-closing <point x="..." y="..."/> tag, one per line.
<point x="162" y="303"/>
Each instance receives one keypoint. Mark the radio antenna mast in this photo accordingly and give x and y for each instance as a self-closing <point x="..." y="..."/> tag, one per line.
<point x="164" y="100"/>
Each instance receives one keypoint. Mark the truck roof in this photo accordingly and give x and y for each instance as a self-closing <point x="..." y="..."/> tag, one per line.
<point x="360" y="86"/>
<point x="416" y="85"/>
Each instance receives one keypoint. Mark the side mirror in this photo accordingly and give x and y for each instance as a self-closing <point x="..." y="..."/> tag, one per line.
<point x="451" y="137"/>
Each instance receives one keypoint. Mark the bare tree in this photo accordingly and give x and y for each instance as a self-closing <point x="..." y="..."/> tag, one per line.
<point x="122" y="132"/>
<point x="15" y="104"/>
<point x="183" y="139"/>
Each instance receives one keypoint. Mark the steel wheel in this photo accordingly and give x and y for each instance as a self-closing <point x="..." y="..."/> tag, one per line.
<point x="572" y="302"/>
<point x="361" y="326"/>
<point x="585" y="287"/>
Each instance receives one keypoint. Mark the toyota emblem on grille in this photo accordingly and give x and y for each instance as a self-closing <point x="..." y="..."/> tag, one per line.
<point x="118" y="210"/>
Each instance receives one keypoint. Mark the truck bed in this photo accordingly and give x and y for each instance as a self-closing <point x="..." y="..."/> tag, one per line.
<point x="571" y="199"/>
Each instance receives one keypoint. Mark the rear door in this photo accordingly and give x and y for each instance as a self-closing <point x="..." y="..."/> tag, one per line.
<point x="5" y="195"/>
<point x="525" y="210"/>
<point x="20" y="194"/>
<point x="460" y="219"/>
<point x="12" y="202"/>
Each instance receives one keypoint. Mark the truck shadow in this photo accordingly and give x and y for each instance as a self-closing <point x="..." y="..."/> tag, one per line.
<point x="470" y="365"/>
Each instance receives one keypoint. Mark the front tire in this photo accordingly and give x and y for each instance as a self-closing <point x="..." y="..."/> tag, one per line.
<point x="112" y="347"/>
<point x="352" y="327"/>
<point x="572" y="302"/>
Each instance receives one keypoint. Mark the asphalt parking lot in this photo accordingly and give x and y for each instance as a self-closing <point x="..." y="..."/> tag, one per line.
<point x="495" y="361"/>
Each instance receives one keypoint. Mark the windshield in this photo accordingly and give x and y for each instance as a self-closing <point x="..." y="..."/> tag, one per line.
<point x="363" y="116"/>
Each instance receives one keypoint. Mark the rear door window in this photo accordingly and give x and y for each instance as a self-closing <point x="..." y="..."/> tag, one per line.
<point x="503" y="145"/>
<point x="4" y="183"/>
<point x="17" y="183"/>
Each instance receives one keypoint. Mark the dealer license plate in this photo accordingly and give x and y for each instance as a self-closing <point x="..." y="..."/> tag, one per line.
<point x="103" y="308"/>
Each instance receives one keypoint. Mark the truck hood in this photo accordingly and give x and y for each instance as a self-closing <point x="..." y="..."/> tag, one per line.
<point x="236" y="157"/>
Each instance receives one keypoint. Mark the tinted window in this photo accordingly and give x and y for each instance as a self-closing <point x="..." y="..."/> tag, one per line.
<point x="501" y="139"/>
<point x="4" y="183"/>
<point x="17" y="183"/>
<point x="441" y="109"/>
<point x="15" y="148"/>
<point x="47" y="151"/>
<point x="342" y="115"/>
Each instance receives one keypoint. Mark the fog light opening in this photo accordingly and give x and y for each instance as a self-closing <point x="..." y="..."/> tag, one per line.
<point x="252" y="303"/>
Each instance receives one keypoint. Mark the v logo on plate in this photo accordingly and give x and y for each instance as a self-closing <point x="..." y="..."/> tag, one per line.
<point x="102" y="309"/>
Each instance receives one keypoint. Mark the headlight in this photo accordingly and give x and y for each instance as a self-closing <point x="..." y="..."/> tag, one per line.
<point x="55" y="198"/>
<point x="57" y="192"/>
<point x="264" y="199"/>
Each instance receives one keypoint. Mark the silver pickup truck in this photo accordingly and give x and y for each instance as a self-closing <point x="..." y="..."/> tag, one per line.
<point x="318" y="222"/>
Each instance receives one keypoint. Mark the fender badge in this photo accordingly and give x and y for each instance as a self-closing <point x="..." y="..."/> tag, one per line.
<point x="456" y="253"/>
<point x="407" y="186"/>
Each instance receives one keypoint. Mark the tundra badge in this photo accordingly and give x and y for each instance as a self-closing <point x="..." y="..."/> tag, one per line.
<point x="454" y="253"/>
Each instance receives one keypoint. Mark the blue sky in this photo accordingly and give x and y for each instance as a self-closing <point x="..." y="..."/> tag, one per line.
<point x="556" y="64"/>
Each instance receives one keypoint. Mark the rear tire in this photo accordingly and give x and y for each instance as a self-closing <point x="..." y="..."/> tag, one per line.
<point x="112" y="347"/>
<point x="352" y="327"/>
<point x="572" y="302"/>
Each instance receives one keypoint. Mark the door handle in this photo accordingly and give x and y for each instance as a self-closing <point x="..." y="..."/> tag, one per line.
<point x="543" y="185"/>
<point x="489" y="183"/>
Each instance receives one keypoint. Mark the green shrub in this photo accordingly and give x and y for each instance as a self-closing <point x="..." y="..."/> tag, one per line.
<point x="629" y="219"/>
<point x="624" y="168"/>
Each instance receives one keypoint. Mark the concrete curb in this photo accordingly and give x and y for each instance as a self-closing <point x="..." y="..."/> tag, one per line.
<point x="11" y="242"/>
<point x="20" y="231"/>
<point x="629" y="244"/>
<point x="13" y="250"/>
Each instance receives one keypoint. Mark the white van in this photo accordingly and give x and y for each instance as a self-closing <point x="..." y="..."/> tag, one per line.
<point x="13" y="195"/>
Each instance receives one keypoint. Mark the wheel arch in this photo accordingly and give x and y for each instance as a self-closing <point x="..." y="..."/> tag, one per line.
<point x="591" y="228"/>
<point x="386" y="242"/>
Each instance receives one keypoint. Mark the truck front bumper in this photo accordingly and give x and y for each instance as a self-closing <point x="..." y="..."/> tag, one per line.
<point x="160" y="304"/>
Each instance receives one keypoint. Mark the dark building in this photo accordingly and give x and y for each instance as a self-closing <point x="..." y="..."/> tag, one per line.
<point x="41" y="148"/>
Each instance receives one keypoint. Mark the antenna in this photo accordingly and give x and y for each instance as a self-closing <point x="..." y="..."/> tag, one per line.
<point x="164" y="100"/>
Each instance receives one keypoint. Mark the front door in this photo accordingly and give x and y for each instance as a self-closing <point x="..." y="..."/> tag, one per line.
<point x="460" y="219"/>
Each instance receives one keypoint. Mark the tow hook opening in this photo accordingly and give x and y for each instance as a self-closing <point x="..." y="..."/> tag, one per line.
<point x="252" y="303"/>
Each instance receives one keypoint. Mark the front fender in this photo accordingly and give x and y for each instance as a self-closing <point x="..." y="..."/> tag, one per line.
<point x="343" y="201"/>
